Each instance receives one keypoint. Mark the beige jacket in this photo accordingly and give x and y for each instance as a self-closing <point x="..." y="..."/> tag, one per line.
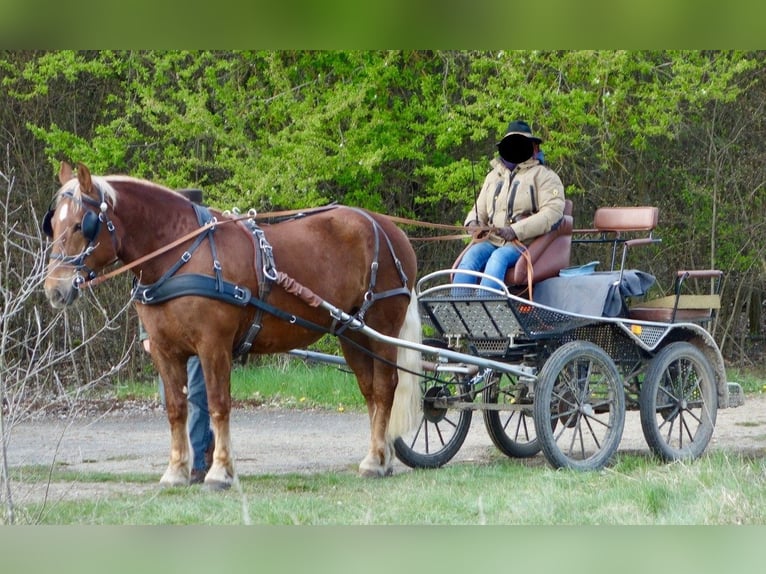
<point x="537" y="195"/>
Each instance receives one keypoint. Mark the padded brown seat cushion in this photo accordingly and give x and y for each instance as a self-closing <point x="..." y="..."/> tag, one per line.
<point x="691" y="309"/>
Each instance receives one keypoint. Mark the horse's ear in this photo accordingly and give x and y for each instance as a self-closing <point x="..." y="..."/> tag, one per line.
<point x="65" y="172"/>
<point x="83" y="175"/>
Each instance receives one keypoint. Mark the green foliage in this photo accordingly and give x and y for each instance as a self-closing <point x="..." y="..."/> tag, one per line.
<point x="411" y="133"/>
<point x="292" y="129"/>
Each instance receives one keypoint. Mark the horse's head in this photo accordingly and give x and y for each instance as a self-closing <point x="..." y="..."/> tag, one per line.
<point x="82" y="233"/>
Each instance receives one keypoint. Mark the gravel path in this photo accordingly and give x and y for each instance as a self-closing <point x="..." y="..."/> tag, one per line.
<point x="269" y="441"/>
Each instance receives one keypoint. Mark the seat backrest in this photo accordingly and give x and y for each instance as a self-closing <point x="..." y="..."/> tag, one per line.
<point x="550" y="253"/>
<point x="621" y="219"/>
<point x="615" y="225"/>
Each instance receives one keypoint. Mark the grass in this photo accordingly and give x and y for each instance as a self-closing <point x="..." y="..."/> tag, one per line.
<point x="278" y="382"/>
<point x="752" y="380"/>
<point x="637" y="490"/>
<point x="286" y="382"/>
<point x="719" y="488"/>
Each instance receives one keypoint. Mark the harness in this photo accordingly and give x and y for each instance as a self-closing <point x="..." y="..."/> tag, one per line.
<point x="171" y="286"/>
<point x="90" y="227"/>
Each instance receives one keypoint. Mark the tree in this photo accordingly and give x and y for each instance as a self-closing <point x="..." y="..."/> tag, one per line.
<point x="410" y="133"/>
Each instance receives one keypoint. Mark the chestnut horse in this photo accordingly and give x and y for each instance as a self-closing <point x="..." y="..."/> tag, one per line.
<point x="234" y="286"/>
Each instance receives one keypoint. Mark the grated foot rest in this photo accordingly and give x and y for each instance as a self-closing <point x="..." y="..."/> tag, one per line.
<point x="498" y="318"/>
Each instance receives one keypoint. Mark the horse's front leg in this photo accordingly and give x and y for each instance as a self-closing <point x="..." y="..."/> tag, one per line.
<point x="173" y="375"/>
<point x="217" y="371"/>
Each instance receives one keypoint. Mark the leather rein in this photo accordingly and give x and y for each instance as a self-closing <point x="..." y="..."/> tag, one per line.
<point x="157" y="252"/>
<point x="291" y="213"/>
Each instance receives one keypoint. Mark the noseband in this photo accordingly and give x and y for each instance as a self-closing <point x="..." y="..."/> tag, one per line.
<point x="90" y="226"/>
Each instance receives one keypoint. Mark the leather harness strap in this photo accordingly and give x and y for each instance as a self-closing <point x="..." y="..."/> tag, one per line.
<point x="171" y="285"/>
<point x="266" y="274"/>
<point x="530" y="270"/>
<point x="157" y="252"/>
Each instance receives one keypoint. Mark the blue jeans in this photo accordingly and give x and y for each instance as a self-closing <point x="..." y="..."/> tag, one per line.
<point x="484" y="256"/>
<point x="198" y="421"/>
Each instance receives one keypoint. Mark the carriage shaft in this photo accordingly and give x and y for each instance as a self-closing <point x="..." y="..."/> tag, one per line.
<point x="356" y="325"/>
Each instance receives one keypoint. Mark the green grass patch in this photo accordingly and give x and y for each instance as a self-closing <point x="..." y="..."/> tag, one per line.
<point x="752" y="380"/>
<point x="294" y="383"/>
<point x="716" y="489"/>
<point x="277" y="381"/>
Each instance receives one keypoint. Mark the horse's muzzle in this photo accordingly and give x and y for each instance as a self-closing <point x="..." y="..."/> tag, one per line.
<point x="60" y="292"/>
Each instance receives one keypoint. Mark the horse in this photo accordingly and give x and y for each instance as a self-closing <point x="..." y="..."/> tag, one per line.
<point x="220" y="285"/>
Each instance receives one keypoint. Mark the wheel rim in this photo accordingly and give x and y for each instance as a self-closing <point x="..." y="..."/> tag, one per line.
<point x="678" y="403"/>
<point x="579" y="407"/>
<point x="442" y="429"/>
<point x="581" y="395"/>
<point x="512" y="431"/>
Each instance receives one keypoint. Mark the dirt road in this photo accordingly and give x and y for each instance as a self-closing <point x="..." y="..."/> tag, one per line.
<point x="267" y="441"/>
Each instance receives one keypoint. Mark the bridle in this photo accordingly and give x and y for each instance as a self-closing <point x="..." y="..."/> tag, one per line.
<point x="90" y="227"/>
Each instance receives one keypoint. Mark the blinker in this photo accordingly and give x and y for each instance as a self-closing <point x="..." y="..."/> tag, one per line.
<point x="47" y="227"/>
<point x="90" y="226"/>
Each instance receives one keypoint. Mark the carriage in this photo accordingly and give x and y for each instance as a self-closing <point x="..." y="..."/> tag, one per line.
<point x="547" y="376"/>
<point x="560" y="371"/>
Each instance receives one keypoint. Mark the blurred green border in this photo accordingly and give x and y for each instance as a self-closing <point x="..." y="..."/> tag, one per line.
<point x="373" y="550"/>
<point x="473" y="24"/>
<point x="303" y="24"/>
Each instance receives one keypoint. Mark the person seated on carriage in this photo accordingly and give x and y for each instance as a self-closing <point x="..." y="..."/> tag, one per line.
<point x="521" y="199"/>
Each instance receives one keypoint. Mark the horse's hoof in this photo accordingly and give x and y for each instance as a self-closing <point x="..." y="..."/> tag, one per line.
<point x="173" y="479"/>
<point x="375" y="473"/>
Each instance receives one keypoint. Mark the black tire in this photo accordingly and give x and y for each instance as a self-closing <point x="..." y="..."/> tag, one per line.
<point x="579" y="407"/>
<point x="442" y="429"/>
<point x="512" y="431"/>
<point x="678" y="402"/>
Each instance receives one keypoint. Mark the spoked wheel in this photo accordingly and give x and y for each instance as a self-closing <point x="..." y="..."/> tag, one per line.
<point x="512" y="431"/>
<point x="579" y="407"/>
<point x="678" y="402"/>
<point x="442" y="428"/>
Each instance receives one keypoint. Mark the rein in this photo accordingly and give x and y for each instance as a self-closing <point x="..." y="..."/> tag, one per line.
<point x="128" y="266"/>
<point x="394" y="218"/>
<point x="297" y="212"/>
<point x="525" y="254"/>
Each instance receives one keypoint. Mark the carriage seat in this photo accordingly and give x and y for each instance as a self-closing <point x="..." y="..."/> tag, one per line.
<point x="621" y="219"/>
<point x="550" y="253"/>
<point x="680" y="307"/>
<point x="615" y="226"/>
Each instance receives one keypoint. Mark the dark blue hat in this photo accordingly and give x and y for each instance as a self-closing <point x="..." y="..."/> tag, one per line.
<point x="521" y="128"/>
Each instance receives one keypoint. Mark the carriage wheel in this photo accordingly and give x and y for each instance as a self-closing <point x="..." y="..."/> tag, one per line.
<point x="579" y="407"/>
<point x="512" y="431"/>
<point x="442" y="428"/>
<point x="678" y="402"/>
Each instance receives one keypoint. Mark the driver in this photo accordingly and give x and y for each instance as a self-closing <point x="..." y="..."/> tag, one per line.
<point x="520" y="200"/>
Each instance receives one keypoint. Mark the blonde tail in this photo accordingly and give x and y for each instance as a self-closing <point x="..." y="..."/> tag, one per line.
<point x="405" y="412"/>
